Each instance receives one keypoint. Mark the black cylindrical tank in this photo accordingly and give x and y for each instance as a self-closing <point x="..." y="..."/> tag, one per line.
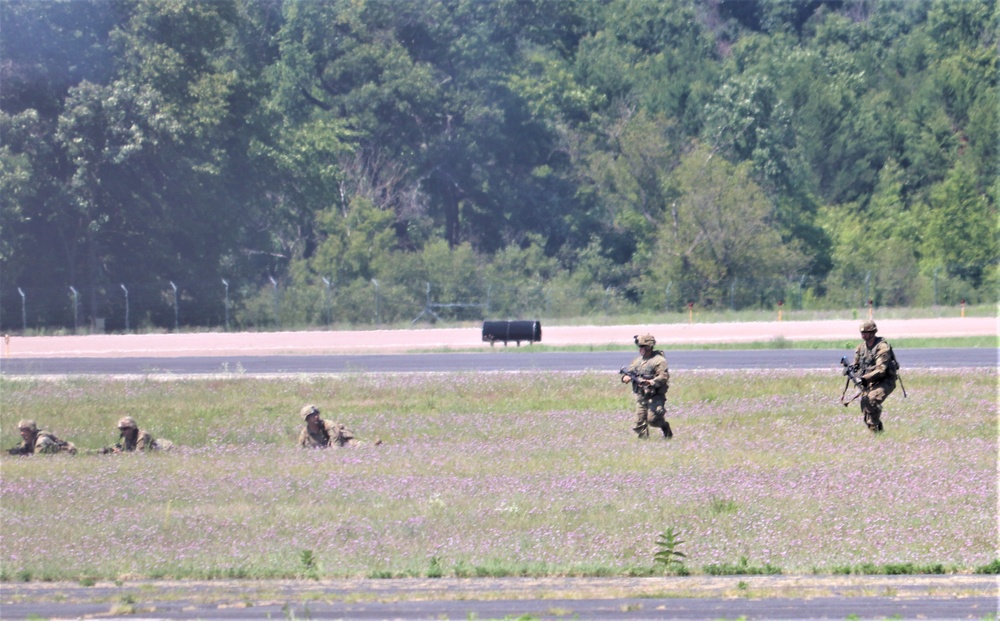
<point x="517" y="331"/>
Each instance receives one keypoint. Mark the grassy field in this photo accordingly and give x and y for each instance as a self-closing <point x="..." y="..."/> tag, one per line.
<point x="492" y="474"/>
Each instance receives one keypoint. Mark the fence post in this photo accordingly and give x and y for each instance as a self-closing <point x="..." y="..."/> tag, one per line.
<point x="226" y="283"/>
<point x="126" y="306"/>
<point x="327" y="300"/>
<point x="24" y="313"/>
<point x="176" y="313"/>
<point x="936" y="268"/>
<point x="375" y="282"/>
<point x="76" y="310"/>
<point x="277" y="320"/>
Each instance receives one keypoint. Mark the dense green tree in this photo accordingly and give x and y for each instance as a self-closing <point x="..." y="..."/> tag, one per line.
<point x="155" y="153"/>
<point x="354" y="245"/>
<point x="720" y="228"/>
<point x="877" y="245"/>
<point x="26" y="156"/>
<point x="963" y="230"/>
<point x="579" y="155"/>
<point x="47" y="48"/>
<point x="630" y="168"/>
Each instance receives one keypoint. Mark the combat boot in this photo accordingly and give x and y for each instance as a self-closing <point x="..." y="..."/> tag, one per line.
<point x="667" y="433"/>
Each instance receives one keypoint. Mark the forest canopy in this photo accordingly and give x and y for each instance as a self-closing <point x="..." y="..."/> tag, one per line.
<point x="496" y="156"/>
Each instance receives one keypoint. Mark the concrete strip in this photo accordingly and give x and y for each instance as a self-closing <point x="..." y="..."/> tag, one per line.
<point x="390" y="341"/>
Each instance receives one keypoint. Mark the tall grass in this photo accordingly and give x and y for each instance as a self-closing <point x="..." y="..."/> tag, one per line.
<point x="499" y="474"/>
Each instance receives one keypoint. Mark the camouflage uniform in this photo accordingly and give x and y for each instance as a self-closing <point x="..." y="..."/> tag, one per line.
<point x="40" y="442"/>
<point x="650" y="389"/>
<point x="876" y="367"/>
<point x="142" y="441"/>
<point x="328" y="434"/>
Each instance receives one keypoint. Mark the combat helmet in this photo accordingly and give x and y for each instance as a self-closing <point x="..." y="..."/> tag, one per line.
<point x="127" y="422"/>
<point x="308" y="410"/>
<point x="869" y="326"/>
<point x="27" y="424"/>
<point x="646" y="340"/>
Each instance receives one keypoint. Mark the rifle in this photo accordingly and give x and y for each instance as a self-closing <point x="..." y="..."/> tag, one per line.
<point x="899" y="379"/>
<point x="635" y="377"/>
<point x="852" y="376"/>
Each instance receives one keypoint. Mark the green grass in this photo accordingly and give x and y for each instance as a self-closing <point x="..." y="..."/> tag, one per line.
<point x="900" y="343"/>
<point x="502" y="474"/>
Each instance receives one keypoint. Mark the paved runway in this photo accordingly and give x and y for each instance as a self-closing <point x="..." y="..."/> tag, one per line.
<point x="611" y="361"/>
<point x="933" y="597"/>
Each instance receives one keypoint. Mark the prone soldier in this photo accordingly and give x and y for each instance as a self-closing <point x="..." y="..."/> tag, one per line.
<point x="134" y="439"/>
<point x="320" y="433"/>
<point x="35" y="441"/>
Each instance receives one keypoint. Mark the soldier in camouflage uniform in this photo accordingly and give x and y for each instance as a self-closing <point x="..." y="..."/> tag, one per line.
<point x="876" y="367"/>
<point x="35" y="441"/>
<point x="650" y="380"/>
<point x="134" y="439"/>
<point x="320" y="433"/>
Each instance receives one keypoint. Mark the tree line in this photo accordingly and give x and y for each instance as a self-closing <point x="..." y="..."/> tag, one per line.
<point x="640" y="153"/>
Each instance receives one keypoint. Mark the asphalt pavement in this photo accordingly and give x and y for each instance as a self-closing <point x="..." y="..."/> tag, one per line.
<point x="924" y="597"/>
<point x="500" y="360"/>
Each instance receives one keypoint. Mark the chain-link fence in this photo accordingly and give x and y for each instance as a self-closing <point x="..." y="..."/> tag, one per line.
<point x="223" y="304"/>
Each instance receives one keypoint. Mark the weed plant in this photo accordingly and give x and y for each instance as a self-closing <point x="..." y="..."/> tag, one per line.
<point x="500" y="474"/>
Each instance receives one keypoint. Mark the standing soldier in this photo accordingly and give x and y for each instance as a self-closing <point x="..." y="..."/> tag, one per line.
<point x="35" y="441"/>
<point x="319" y="433"/>
<point x="134" y="439"/>
<point x="650" y="380"/>
<point x="876" y="367"/>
